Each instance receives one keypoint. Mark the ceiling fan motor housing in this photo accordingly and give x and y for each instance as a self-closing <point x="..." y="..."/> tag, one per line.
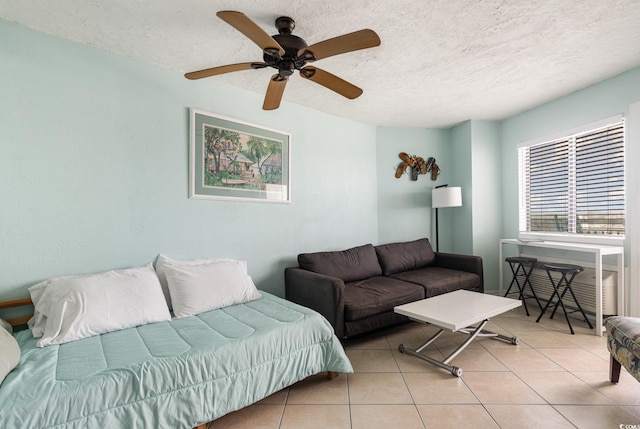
<point x="291" y="44"/>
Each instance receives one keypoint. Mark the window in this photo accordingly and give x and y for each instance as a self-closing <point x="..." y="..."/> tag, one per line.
<point x="574" y="184"/>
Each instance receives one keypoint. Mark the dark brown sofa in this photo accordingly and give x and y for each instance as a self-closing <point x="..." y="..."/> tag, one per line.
<point x="356" y="289"/>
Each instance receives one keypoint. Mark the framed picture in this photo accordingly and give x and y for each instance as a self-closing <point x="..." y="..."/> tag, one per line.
<point x="235" y="160"/>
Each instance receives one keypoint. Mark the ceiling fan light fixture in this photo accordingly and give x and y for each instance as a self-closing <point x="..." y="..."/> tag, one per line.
<point x="286" y="67"/>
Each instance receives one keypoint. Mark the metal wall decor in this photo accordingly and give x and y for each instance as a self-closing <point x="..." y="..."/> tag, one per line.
<point x="418" y="166"/>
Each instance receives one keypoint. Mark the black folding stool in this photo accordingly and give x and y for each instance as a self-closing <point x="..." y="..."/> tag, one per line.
<point x="522" y="267"/>
<point x="564" y="270"/>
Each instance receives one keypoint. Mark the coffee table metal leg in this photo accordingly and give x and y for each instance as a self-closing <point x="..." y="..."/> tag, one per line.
<point x="429" y="341"/>
<point x="454" y="370"/>
<point x="464" y="345"/>
<point x="512" y="340"/>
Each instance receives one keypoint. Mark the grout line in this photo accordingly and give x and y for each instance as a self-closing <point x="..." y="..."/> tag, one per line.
<point x="376" y="343"/>
<point x="413" y="400"/>
<point x="349" y="401"/>
<point x="284" y="407"/>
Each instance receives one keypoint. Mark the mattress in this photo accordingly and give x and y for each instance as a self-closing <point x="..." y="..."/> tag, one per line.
<point x="176" y="374"/>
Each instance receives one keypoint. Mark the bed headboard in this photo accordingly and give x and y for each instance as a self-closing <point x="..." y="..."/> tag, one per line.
<point x="17" y="321"/>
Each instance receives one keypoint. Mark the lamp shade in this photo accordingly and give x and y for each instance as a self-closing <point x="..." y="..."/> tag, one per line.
<point x="446" y="197"/>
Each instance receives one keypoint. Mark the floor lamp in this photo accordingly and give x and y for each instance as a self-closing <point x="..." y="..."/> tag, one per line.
<point x="441" y="197"/>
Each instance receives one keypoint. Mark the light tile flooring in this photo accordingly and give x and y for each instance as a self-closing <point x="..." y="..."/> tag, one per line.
<point x="550" y="380"/>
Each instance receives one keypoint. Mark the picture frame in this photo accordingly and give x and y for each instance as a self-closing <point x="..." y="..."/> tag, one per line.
<point x="237" y="161"/>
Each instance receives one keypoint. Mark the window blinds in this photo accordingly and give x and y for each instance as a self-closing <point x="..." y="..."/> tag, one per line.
<point x="575" y="184"/>
<point x="600" y="206"/>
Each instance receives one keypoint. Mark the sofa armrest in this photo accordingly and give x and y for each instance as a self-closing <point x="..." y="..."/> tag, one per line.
<point x="468" y="263"/>
<point x="322" y="293"/>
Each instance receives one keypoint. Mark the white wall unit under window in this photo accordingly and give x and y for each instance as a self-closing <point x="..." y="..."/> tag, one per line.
<point x="583" y="285"/>
<point x="574" y="184"/>
<point x="596" y="255"/>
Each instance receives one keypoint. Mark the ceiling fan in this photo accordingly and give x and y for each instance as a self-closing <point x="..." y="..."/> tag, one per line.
<point x="287" y="53"/>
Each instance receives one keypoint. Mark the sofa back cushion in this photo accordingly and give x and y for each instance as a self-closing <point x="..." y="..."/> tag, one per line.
<point x="398" y="257"/>
<point x="349" y="265"/>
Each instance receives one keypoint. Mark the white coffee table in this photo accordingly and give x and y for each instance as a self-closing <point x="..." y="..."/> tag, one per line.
<point x="456" y="312"/>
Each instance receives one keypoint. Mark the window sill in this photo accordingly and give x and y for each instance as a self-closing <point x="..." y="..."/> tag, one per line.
<point x="573" y="238"/>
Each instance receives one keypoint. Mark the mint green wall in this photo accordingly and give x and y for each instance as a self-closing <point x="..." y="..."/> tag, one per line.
<point x="487" y="198"/>
<point x="476" y="226"/>
<point x="458" y="221"/>
<point x="600" y="101"/>
<point x="94" y="164"/>
<point x="404" y="206"/>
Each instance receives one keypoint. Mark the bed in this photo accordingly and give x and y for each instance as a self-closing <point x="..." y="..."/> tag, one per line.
<point x="179" y="373"/>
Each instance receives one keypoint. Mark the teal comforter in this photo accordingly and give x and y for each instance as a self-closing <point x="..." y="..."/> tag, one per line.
<point x="176" y="374"/>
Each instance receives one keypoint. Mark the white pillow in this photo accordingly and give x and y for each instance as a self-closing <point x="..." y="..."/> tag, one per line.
<point x="164" y="261"/>
<point x="39" y="320"/>
<point x="9" y="353"/>
<point x="198" y="288"/>
<point x="6" y="326"/>
<point x="82" y="306"/>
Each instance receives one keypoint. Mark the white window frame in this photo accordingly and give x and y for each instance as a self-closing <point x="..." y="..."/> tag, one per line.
<point x="522" y="209"/>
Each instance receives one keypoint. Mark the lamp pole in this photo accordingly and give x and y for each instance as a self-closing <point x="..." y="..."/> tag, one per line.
<point x="437" y="233"/>
<point x="438" y="229"/>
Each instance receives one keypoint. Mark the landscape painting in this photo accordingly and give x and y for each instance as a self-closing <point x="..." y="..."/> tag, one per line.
<point x="236" y="160"/>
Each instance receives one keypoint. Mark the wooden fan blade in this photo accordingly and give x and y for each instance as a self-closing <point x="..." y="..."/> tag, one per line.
<point x="355" y="41"/>
<point x="274" y="92"/>
<point x="214" y="71"/>
<point x="331" y="81"/>
<point x="246" y="26"/>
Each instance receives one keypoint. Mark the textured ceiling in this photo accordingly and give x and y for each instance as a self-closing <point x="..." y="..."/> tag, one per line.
<point x="441" y="62"/>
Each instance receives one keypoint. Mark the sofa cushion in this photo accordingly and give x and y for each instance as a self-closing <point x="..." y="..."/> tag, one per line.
<point x="349" y="265"/>
<point x="399" y="257"/>
<point x="368" y="324"/>
<point x="377" y="295"/>
<point x="436" y="280"/>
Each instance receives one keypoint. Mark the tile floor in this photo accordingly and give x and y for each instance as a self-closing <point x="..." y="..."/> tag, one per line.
<point x="551" y="379"/>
